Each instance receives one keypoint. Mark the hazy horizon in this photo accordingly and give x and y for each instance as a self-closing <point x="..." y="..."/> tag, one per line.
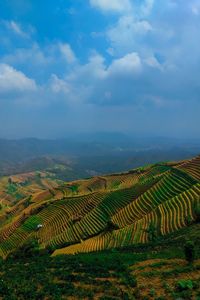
<point x="100" y="135"/>
<point x="111" y="66"/>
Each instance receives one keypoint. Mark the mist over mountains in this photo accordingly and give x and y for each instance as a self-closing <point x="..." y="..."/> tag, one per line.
<point x="84" y="155"/>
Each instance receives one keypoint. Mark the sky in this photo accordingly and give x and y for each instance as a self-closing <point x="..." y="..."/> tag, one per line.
<point x="71" y="66"/>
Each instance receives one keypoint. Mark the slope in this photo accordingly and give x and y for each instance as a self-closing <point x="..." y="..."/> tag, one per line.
<point x="105" y="212"/>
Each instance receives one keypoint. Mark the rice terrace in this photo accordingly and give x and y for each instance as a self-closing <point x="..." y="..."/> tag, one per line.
<point x="141" y="219"/>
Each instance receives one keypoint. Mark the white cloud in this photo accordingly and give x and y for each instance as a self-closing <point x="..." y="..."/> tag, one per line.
<point x="124" y="34"/>
<point x="128" y="26"/>
<point x="33" y="54"/>
<point x="111" y="5"/>
<point x="67" y="52"/>
<point x="93" y="82"/>
<point x="12" y="80"/>
<point x="58" y="85"/>
<point x="152" y="62"/>
<point x="17" y="29"/>
<point x="147" y="7"/>
<point x="41" y="62"/>
<point x="129" y="64"/>
<point x="95" y="69"/>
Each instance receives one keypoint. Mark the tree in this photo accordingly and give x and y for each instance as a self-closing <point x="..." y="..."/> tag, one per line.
<point x="29" y="249"/>
<point x="152" y="232"/>
<point x="189" y="251"/>
<point x="188" y="220"/>
<point x="197" y="212"/>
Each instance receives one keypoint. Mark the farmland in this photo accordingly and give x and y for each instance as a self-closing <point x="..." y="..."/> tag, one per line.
<point x="154" y="271"/>
<point x="102" y="212"/>
<point x="88" y="236"/>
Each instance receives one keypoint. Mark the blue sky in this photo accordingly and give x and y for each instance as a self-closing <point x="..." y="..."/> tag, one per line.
<point x="96" y="65"/>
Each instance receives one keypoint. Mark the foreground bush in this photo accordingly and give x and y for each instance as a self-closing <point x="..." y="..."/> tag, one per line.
<point x="189" y="252"/>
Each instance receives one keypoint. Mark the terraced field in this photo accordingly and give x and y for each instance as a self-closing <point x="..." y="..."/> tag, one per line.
<point x="100" y="213"/>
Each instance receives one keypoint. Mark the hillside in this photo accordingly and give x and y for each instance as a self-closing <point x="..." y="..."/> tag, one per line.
<point x="154" y="273"/>
<point x="100" y="213"/>
<point x="19" y="187"/>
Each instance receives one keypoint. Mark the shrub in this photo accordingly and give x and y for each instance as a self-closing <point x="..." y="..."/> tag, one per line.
<point x="183" y="285"/>
<point x="188" y="220"/>
<point x="127" y="296"/>
<point x="111" y="226"/>
<point x="28" y="249"/>
<point x="189" y="251"/>
<point x="152" y="232"/>
<point x="74" y="189"/>
<point x="129" y="281"/>
<point x="152" y="292"/>
<point x="3" y="288"/>
<point x="197" y="212"/>
<point x="27" y="202"/>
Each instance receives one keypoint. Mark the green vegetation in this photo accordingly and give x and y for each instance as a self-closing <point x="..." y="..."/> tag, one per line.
<point x="197" y="211"/>
<point x="74" y="189"/>
<point x="152" y="232"/>
<point x="83" y="277"/>
<point x="103" y="212"/>
<point x="136" y="274"/>
<point x="136" y="226"/>
<point x="190" y="251"/>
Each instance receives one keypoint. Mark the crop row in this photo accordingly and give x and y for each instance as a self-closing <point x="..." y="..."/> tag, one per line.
<point x="94" y="217"/>
<point x="168" y="187"/>
<point x="61" y="221"/>
<point x="166" y="218"/>
<point x="192" y="167"/>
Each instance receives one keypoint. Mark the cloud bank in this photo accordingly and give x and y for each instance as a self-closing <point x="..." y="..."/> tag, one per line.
<point x="140" y="71"/>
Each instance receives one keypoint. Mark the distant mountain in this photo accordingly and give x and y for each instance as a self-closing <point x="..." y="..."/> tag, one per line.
<point x="84" y="155"/>
<point x="90" y="144"/>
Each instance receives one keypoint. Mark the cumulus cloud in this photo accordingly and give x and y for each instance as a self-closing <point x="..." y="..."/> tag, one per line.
<point x="119" y="6"/>
<point x="124" y="35"/>
<point x="58" y="85"/>
<point x="25" y="55"/>
<point x="41" y="62"/>
<point x="67" y="52"/>
<point x="94" y="69"/>
<point x="129" y="65"/>
<point x="138" y="8"/>
<point x="147" y="62"/>
<point x="97" y="82"/>
<point x="12" y="80"/>
<point x="153" y="62"/>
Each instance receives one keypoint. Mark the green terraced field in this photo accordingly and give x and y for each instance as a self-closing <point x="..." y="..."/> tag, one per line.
<point x="100" y="213"/>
